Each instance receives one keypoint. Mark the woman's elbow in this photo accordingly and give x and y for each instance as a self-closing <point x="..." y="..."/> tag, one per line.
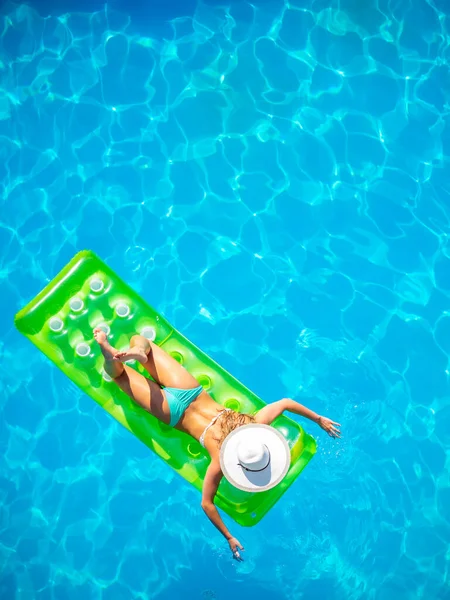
<point x="207" y="505"/>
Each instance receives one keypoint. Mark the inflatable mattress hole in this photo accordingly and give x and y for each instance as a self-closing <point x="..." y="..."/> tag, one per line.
<point x="105" y="328"/>
<point x="56" y="324"/>
<point x="177" y="356"/>
<point x="194" y="450"/>
<point x="204" y="381"/>
<point x="76" y="305"/>
<point x="122" y="310"/>
<point x="233" y="404"/>
<point x="96" y="285"/>
<point x="106" y="377"/>
<point x="149" y="333"/>
<point x="82" y="349"/>
<point x="284" y="431"/>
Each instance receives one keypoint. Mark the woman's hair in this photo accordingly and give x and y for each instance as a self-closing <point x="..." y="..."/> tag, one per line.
<point x="231" y="420"/>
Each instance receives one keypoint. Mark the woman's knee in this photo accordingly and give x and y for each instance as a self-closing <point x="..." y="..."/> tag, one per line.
<point x="141" y="341"/>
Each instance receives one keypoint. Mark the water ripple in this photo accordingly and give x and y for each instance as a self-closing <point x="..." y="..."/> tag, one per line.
<point x="272" y="176"/>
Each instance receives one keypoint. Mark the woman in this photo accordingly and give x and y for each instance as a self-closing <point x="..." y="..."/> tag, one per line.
<point x="184" y="404"/>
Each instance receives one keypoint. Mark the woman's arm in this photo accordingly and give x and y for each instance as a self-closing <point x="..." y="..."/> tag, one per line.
<point x="211" y="483"/>
<point x="270" y="412"/>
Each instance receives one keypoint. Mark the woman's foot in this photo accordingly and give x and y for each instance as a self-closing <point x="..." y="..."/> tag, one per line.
<point x="102" y="339"/>
<point x="112" y="366"/>
<point x="134" y="353"/>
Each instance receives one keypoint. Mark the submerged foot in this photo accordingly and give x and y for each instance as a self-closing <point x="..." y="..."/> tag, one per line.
<point x="134" y="353"/>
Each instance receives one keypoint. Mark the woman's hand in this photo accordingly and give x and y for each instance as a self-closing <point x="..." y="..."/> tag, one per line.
<point x="234" y="545"/>
<point x="331" y="427"/>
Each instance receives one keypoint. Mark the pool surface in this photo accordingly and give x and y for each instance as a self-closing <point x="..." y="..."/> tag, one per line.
<point x="274" y="178"/>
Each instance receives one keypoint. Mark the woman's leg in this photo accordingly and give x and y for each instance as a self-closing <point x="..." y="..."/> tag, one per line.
<point x="113" y="367"/>
<point x="164" y="369"/>
<point x="139" y="350"/>
<point x="144" y="392"/>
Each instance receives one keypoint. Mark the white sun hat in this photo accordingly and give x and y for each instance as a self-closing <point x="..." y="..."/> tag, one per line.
<point x="255" y="457"/>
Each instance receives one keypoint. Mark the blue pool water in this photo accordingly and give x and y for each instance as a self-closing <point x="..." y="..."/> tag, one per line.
<point x="274" y="177"/>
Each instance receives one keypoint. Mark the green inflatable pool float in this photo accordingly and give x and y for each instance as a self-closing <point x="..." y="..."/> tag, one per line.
<point x="88" y="294"/>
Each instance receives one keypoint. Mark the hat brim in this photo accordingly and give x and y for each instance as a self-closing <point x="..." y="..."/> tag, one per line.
<point x="250" y="481"/>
